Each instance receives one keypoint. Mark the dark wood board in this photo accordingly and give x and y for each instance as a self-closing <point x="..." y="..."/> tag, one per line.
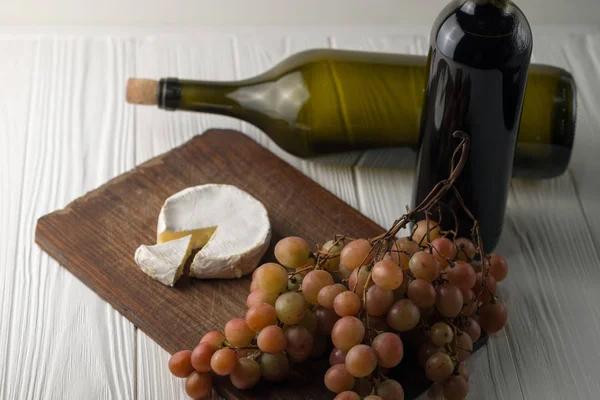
<point x="95" y="238"/>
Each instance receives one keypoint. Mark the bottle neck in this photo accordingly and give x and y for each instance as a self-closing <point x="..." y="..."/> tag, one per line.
<point x="214" y="97"/>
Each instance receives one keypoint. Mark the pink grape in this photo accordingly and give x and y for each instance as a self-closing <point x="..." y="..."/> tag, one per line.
<point x="403" y="316"/>
<point x="299" y="343"/>
<point x="346" y="304"/>
<point x="201" y="356"/>
<point x="223" y="361"/>
<point x="469" y="303"/>
<point x="361" y="361"/>
<point x="404" y="249"/>
<point x="272" y="339"/>
<point x="390" y="390"/>
<point x="387" y="275"/>
<point x="356" y="253"/>
<point x="260" y="296"/>
<point x="463" y="346"/>
<point x="449" y="300"/>
<point x="326" y="319"/>
<point x="425" y="351"/>
<point x="347" y="333"/>
<point x="254" y="285"/>
<point x="422" y="293"/>
<point x="261" y="315"/>
<point x="338" y="379"/>
<point x="439" y="367"/>
<point x="473" y="329"/>
<point x="443" y="249"/>
<point x="337" y="357"/>
<point x="421" y="235"/>
<point x="312" y="284"/>
<point x="238" y="333"/>
<point x="485" y="295"/>
<point x="198" y="384"/>
<point x="465" y="249"/>
<point x="461" y="275"/>
<point x="272" y="278"/>
<point x="292" y="252"/>
<point x="498" y="267"/>
<point x="378" y="301"/>
<point x="424" y="266"/>
<point x="328" y="293"/>
<point x="246" y="374"/>
<point x="215" y="338"/>
<point x="492" y="317"/>
<point x="441" y="334"/>
<point x="180" y="364"/>
<point x="358" y="280"/>
<point x="389" y="349"/>
<point x="455" y="388"/>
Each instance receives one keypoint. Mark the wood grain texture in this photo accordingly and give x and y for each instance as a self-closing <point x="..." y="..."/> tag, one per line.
<point x="51" y="156"/>
<point x="89" y="237"/>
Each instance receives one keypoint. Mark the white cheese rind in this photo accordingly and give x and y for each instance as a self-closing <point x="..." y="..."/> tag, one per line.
<point x="241" y="237"/>
<point x="164" y="262"/>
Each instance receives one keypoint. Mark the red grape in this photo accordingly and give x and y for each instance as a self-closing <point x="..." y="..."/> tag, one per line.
<point x="356" y="253"/>
<point x="441" y="334"/>
<point x="403" y="250"/>
<point x="424" y="266"/>
<point x="390" y="390"/>
<point x="338" y="379"/>
<point x="358" y="280"/>
<point x="215" y="338"/>
<point x="312" y="284"/>
<point x="465" y="249"/>
<point x="403" y="316"/>
<point x="424" y="232"/>
<point x="328" y="294"/>
<point x="485" y="295"/>
<point x="387" y="275"/>
<point x="201" y="356"/>
<point x="473" y="329"/>
<point x="272" y="340"/>
<point x="455" y="388"/>
<point x="443" y="249"/>
<point x="439" y="367"/>
<point x="461" y="275"/>
<point x="347" y="395"/>
<point x="449" y="300"/>
<point x="292" y="252"/>
<point x="389" y="349"/>
<point x="274" y="367"/>
<point x="462" y="346"/>
<point x="180" y="364"/>
<point x="261" y="315"/>
<point x="492" y="317"/>
<point x="361" y="361"/>
<point x="299" y="343"/>
<point x="326" y="318"/>
<point x="378" y="301"/>
<point x="425" y="351"/>
<point x="238" y="333"/>
<point x="223" y="362"/>
<point x="498" y="267"/>
<point x="246" y="374"/>
<point x="337" y="357"/>
<point x="260" y="296"/>
<point x="198" y="384"/>
<point x="347" y="333"/>
<point x="346" y="304"/>
<point x="422" y="293"/>
<point x="272" y="278"/>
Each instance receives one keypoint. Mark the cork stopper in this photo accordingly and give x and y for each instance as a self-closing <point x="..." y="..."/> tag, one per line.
<point x="141" y="91"/>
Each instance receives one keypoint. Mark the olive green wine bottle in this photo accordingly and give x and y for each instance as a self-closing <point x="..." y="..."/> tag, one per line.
<point x="324" y="101"/>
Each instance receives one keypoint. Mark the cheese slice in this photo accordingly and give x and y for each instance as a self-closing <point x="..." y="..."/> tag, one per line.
<point x="231" y="227"/>
<point x="164" y="262"/>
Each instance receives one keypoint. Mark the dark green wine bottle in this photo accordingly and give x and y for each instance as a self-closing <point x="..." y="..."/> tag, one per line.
<point x="324" y="101"/>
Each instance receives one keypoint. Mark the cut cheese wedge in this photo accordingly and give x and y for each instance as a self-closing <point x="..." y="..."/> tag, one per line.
<point x="231" y="227"/>
<point x="164" y="262"/>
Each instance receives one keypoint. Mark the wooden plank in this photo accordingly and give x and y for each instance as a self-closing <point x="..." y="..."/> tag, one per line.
<point x="60" y="138"/>
<point x="90" y="239"/>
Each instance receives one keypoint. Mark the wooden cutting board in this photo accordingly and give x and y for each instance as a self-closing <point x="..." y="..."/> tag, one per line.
<point x="95" y="238"/>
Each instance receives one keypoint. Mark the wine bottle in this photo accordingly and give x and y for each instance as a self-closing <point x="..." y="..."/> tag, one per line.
<point x="480" y="52"/>
<point x="324" y="101"/>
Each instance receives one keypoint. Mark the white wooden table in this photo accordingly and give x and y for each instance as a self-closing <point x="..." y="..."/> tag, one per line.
<point x="65" y="129"/>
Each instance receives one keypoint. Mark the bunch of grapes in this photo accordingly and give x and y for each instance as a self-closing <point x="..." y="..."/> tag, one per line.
<point x="433" y="290"/>
<point x="366" y="298"/>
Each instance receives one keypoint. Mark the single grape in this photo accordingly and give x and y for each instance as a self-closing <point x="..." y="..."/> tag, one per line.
<point x="320" y="345"/>
<point x="492" y="317"/>
<point x="378" y="301"/>
<point x="346" y="304"/>
<point x="439" y="367"/>
<point x="389" y="349"/>
<point x="443" y="249"/>
<point x="405" y="248"/>
<point x="299" y="343"/>
<point x="498" y="267"/>
<point x="309" y="322"/>
<point x="254" y="285"/>
<point x="465" y="249"/>
<point x="180" y="364"/>
<point x="272" y="340"/>
<point x="201" y="356"/>
<point x="424" y="266"/>
<point x="292" y="252"/>
<point x="215" y="338"/>
<point x="484" y="295"/>
<point x="332" y="248"/>
<point x="468" y="302"/>
<point x="424" y="233"/>
<point x="356" y="253"/>
<point x="274" y="367"/>
<point x="312" y="284"/>
<point x="345" y="273"/>
<point x="473" y="329"/>
<point x="337" y="357"/>
<point x="260" y="296"/>
<point x="361" y="361"/>
<point x="328" y="294"/>
<point x="238" y="333"/>
<point x="326" y="319"/>
<point x="426" y="350"/>
<point x="462" y="346"/>
<point x="377" y="323"/>
<point x="347" y="395"/>
<point x="387" y="275"/>
<point x="358" y="280"/>
<point x="455" y="388"/>
<point x="261" y="315"/>
<point x="461" y="275"/>
<point x="223" y="361"/>
<point x="441" y="334"/>
<point x="198" y="384"/>
<point x="403" y="316"/>
<point x="390" y="390"/>
<point x="338" y="379"/>
<point x="246" y="374"/>
<point x="449" y="300"/>
<point x="463" y="371"/>
<point x="272" y="278"/>
<point x="290" y="308"/>
<point x="422" y="293"/>
<point x="347" y="333"/>
<point x="294" y="282"/>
